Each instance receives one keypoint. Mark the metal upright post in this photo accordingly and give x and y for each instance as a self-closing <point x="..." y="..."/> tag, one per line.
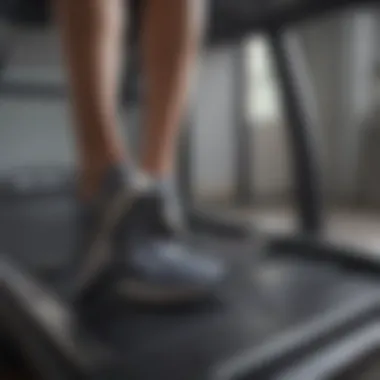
<point x="242" y="131"/>
<point x="296" y="99"/>
<point x="5" y="42"/>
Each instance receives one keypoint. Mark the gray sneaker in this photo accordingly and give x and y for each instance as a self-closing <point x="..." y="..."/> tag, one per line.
<point x="133" y="244"/>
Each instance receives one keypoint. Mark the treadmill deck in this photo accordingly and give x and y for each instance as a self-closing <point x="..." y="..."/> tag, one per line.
<point x="268" y="298"/>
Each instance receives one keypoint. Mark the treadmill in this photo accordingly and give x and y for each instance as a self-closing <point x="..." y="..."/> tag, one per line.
<point x="289" y="297"/>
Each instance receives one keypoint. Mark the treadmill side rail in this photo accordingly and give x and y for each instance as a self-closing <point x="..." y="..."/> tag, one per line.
<point x="48" y="327"/>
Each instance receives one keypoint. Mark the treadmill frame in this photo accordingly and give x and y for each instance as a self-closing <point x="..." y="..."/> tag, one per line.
<point x="308" y="192"/>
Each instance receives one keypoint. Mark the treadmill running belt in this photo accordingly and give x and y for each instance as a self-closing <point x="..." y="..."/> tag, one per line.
<point x="368" y="368"/>
<point x="266" y="301"/>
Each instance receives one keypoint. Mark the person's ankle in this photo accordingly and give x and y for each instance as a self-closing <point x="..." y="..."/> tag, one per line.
<point x="157" y="170"/>
<point x="159" y="182"/>
<point x="92" y="177"/>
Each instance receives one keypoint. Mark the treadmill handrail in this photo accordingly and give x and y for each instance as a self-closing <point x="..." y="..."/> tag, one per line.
<point x="233" y="26"/>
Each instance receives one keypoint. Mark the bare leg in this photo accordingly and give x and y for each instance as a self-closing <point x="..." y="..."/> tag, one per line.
<point x="171" y="35"/>
<point x="91" y="31"/>
<point x="91" y="34"/>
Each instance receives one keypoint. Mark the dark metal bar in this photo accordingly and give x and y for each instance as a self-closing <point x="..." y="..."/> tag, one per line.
<point x="267" y="16"/>
<point x="3" y="60"/>
<point x="306" y="171"/>
<point x="287" y="348"/>
<point x="66" y="347"/>
<point x="242" y="131"/>
<point x="319" y="250"/>
<point x="4" y="47"/>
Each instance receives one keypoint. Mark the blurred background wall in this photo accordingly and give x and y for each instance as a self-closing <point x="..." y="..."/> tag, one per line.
<point x="341" y="52"/>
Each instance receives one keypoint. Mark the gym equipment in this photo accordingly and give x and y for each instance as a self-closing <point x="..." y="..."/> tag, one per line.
<point x="265" y="315"/>
<point x="12" y="363"/>
<point x="276" y="308"/>
<point x="354" y="357"/>
<point x="230" y="20"/>
<point x="294" y="296"/>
